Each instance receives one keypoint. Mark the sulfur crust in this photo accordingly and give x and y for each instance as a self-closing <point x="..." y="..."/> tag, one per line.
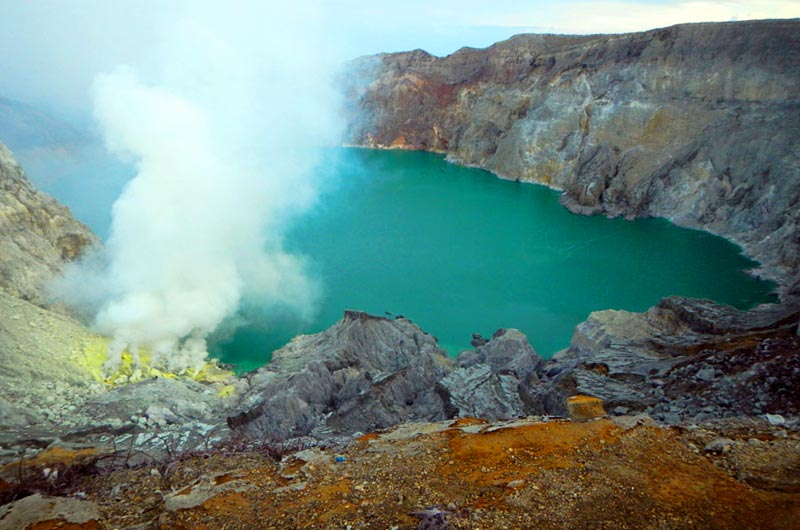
<point x="93" y="356"/>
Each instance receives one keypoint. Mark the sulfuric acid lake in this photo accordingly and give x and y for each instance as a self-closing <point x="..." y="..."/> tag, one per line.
<point x="459" y="251"/>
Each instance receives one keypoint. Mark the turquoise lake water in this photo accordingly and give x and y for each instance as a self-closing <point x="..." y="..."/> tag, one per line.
<point x="458" y="251"/>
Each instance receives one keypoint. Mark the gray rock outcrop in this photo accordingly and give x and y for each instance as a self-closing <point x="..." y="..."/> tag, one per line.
<point x="683" y="360"/>
<point x="490" y="381"/>
<point x="363" y="373"/>
<point x="37" y="234"/>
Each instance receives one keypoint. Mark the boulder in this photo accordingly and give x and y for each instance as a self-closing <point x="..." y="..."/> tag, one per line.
<point x="477" y="392"/>
<point x="490" y="381"/>
<point x="510" y="352"/>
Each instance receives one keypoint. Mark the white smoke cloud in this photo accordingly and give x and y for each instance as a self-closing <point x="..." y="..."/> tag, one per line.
<point x="225" y="141"/>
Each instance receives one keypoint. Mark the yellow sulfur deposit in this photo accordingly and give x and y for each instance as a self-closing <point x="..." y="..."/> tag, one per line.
<point x="226" y="391"/>
<point x="93" y="356"/>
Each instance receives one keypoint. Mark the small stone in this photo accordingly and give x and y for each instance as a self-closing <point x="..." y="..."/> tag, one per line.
<point x="621" y="411"/>
<point x="775" y="419"/>
<point x="718" y="446"/>
<point x="706" y="374"/>
<point x="297" y="486"/>
<point x="584" y="408"/>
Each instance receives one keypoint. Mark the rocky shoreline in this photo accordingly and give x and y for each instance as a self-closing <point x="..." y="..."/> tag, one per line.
<point x="695" y="123"/>
<point x="685" y="361"/>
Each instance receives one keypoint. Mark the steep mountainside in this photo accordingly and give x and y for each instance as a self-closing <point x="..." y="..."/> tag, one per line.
<point x="697" y="123"/>
<point x="37" y="234"/>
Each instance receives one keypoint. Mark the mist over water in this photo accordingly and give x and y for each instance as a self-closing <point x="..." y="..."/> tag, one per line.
<point x="224" y="141"/>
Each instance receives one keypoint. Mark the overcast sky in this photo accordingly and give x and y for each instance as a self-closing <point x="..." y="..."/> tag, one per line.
<point x="52" y="49"/>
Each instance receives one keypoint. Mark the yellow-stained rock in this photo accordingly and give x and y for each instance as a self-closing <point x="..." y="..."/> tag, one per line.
<point x="584" y="408"/>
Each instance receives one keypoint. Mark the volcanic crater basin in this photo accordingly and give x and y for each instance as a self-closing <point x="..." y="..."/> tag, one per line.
<point x="460" y="251"/>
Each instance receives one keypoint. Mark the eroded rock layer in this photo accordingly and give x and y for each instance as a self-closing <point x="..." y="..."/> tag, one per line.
<point x="697" y="123"/>
<point x="38" y="235"/>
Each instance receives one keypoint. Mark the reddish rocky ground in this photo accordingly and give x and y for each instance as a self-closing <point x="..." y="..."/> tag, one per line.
<point x="468" y="474"/>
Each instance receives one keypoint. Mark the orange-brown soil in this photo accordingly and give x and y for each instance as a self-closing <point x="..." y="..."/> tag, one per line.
<point x="470" y="474"/>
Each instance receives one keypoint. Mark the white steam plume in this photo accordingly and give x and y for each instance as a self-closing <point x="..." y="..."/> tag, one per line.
<point x="224" y="144"/>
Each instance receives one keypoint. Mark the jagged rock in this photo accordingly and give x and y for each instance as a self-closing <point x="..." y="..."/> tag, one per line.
<point x="478" y="340"/>
<point x="510" y="352"/>
<point x="490" y="381"/>
<point x="507" y="352"/>
<point x="683" y="359"/>
<point x="37" y="234"/>
<point x="478" y="392"/>
<point x="469" y="358"/>
<point x="204" y="489"/>
<point x="363" y="373"/>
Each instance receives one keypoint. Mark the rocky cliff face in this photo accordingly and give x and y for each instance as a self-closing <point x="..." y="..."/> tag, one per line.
<point x="697" y="123"/>
<point x="37" y="234"/>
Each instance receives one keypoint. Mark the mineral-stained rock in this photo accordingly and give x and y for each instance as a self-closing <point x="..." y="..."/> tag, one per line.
<point x="203" y="489"/>
<point x="363" y="373"/>
<point x="37" y="234"/>
<point x="583" y="408"/>
<point x="49" y="512"/>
